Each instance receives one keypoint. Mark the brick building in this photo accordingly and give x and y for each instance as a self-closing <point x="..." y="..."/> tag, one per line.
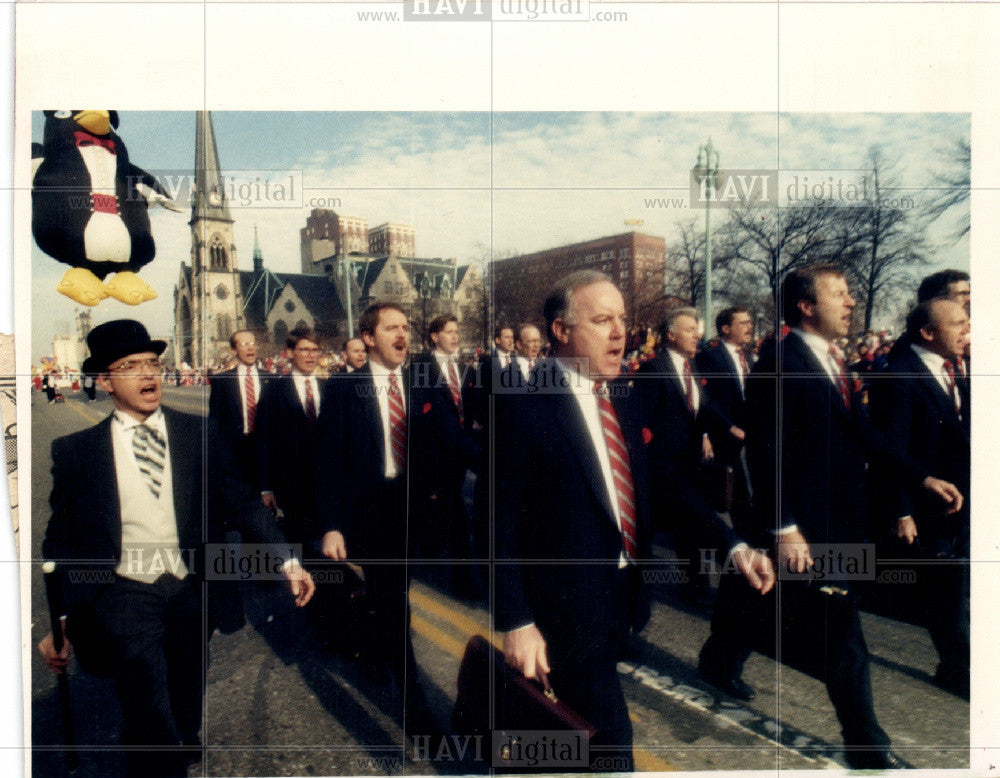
<point x="633" y="260"/>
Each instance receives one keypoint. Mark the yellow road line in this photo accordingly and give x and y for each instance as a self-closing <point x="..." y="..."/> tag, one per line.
<point x="467" y="625"/>
<point x="644" y="760"/>
<point x="439" y="637"/>
<point x="89" y="417"/>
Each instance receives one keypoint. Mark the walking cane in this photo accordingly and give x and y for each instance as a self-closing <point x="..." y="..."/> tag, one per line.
<point x="53" y="590"/>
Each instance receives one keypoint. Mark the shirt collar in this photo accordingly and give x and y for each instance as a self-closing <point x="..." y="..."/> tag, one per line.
<point x="935" y="362"/>
<point x="678" y="360"/>
<point x="380" y="371"/>
<point x="155" y="421"/>
<point x="577" y="383"/>
<point x="817" y="343"/>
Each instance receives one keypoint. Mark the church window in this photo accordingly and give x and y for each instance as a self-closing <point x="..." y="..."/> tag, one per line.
<point x="225" y="325"/>
<point x="217" y="257"/>
<point x="221" y="292"/>
<point x="280" y="332"/>
<point x="289" y="306"/>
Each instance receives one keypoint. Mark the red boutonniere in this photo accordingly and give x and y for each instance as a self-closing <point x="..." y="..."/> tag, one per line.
<point x="704" y="382"/>
<point x="647" y="435"/>
<point x="859" y="385"/>
<point x="426" y="409"/>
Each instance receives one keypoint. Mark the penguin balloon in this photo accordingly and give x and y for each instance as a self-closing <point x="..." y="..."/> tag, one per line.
<point x="89" y="207"/>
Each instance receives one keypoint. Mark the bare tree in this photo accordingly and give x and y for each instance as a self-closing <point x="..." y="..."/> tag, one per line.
<point x="951" y="187"/>
<point x="685" y="263"/>
<point x="891" y="237"/>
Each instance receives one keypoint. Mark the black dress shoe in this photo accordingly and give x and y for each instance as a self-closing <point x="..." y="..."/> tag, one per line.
<point x="734" y="687"/>
<point x="876" y="759"/>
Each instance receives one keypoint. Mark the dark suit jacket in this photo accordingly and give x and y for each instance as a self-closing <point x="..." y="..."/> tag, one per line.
<point x="722" y="385"/>
<point x="919" y="418"/>
<point x="453" y="448"/>
<point x="666" y="394"/>
<point x="551" y="504"/>
<point x="822" y="449"/>
<point x="286" y="445"/>
<point x="350" y="465"/>
<point x="225" y="405"/>
<point x="84" y="533"/>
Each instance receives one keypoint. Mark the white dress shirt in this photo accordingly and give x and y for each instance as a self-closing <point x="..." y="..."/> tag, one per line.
<point x="935" y="364"/>
<point x="300" y="381"/>
<point x="734" y="352"/>
<point x="150" y="544"/>
<point x="380" y="375"/>
<point x="678" y="362"/>
<point x="820" y="347"/>
<point x="583" y="389"/>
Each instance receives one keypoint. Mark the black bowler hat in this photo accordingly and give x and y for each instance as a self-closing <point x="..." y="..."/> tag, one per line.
<point x="113" y="340"/>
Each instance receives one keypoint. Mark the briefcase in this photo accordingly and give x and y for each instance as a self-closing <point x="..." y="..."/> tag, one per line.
<point x="715" y="484"/>
<point x="518" y="703"/>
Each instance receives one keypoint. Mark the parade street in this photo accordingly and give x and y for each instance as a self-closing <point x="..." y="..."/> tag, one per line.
<point x="277" y="703"/>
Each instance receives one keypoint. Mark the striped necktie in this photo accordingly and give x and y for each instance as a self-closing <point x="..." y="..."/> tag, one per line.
<point x="310" y="401"/>
<point x="149" y="450"/>
<point x="621" y="469"/>
<point x="841" y="373"/>
<point x="397" y="424"/>
<point x="949" y="376"/>
<point x="689" y="388"/>
<point x="456" y="392"/>
<point x="251" y="400"/>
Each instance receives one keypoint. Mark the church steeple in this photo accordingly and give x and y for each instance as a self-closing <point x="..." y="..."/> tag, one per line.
<point x="209" y="195"/>
<point x="258" y="255"/>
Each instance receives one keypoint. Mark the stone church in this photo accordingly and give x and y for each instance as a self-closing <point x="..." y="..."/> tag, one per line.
<point x="345" y="268"/>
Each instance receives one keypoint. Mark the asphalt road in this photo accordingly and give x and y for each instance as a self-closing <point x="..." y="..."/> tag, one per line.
<point x="278" y="704"/>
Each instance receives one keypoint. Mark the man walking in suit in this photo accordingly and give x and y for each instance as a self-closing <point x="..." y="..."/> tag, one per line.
<point x="233" y="399"/>
<point x="812" y="437"/>
<point x="923" y="407"/>
<point x="725" y="369"/>
<point x="129" y="510"/>
<point x="673" y="379"/>
<point x="368" y="464"/>
<point x="289" y="409"/>
<point x="572" y="512"/>
<point x="442" y="529"/>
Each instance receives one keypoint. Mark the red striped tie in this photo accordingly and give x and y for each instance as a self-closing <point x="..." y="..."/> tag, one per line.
<point x="397" y="424"/>
<point x="845" y="391"/>
<point x="621" y="469"/>
<point x="456" y="393"/>
<point x="251" y="400"/>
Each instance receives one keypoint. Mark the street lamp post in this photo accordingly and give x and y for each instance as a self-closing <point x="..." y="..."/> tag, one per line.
<point x="346" y="275"/>
<point x="707" y="172"/>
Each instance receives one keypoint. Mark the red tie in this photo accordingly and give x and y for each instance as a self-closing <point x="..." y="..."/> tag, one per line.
<point x="744" y="369"/>
<point x="621" y="469"/>
<point x="310" y="401"/>
<point x="949" y="369"/>
<point x="456" y="393"/>
<point x="689" y="388"/>
<point x="251" y="400"/>
<point x="397" y="424"/>
<point x="845" y="391"/>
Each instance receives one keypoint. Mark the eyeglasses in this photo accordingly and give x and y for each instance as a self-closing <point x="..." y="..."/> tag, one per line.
<point x="306" y="350"/>
<point x="129" y="366"/>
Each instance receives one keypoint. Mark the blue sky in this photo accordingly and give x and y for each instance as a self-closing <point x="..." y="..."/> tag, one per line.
<point x="468" y="181"/>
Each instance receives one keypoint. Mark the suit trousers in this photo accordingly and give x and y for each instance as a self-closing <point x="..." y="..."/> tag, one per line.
<point x="825" y="631"/>
<point x="159" y="651"/>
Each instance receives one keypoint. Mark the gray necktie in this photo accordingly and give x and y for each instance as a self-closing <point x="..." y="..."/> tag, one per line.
<point x="149" y="450"/>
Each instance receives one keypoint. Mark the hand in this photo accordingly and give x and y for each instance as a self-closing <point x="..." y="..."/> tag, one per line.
<point x="707" y="452"/>
<point x="737" y="433"/>
<point x="906" y="529"/>
<point x="301" y="582"/>
<point x="269" y="502"/>
<point x="524" y="650"/>
<point x="793" y="552"/>
<point x="334" y="546"/>
<point x="57" y="662"/>
<point x="948" y="492"/>
<point x="756" y="568"/>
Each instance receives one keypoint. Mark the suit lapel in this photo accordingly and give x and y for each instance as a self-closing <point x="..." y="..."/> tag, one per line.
<point x="944" y="403"/>
<point x="106" y="481"/>
<point x="372" y="415"/>
<point x="570" y="418"/>
<point x="183" y="467"/>
<point x="833" y="393"/>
